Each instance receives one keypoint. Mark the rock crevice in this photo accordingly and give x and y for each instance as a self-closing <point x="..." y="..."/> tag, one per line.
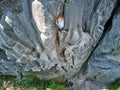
<point x="29" y="41"/>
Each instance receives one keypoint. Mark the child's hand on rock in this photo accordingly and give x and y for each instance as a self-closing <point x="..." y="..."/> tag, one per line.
<point x="57" y="22"/>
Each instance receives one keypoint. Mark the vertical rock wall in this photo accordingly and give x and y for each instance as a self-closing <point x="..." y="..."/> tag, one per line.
<point x="29" y="43"/>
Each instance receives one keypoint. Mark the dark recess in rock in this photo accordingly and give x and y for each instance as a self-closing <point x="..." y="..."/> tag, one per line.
<point x="1" y="14"/>
<point x="107" y="26"/>
<point x="3" y="56"/>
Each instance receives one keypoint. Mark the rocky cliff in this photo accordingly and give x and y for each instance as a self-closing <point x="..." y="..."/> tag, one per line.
<point x="87" y="55"/>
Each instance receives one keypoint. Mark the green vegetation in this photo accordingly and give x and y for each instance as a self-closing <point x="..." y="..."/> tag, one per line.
<point x="33" y="83"/>
<point x="53" y="85"/>
<point x="29" y="83"/>
<point x="66" y="3"/>
<point x="116" y="85"/>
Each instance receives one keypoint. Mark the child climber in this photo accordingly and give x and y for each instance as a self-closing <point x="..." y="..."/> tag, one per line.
<point x="60" y="23"/>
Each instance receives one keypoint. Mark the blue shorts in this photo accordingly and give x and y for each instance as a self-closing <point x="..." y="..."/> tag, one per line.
<point x="62" y="29"/>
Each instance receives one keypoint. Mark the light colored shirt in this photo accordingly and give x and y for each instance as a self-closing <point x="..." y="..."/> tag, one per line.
<point x="61" y="24"/>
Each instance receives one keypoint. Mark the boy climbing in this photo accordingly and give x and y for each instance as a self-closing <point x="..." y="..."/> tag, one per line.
<point x="60" y="23"/>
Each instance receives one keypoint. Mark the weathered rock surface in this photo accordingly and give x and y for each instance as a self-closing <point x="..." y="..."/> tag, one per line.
<point x="104" y="64"/>
<point x="29" y="43"/>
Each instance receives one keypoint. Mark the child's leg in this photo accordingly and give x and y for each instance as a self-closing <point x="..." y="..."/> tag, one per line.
<point x="58" y="33"/>
<point x="64" y="31"/>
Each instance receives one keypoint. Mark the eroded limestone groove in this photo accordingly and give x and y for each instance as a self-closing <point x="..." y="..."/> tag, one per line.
<point x="29" y="43"/>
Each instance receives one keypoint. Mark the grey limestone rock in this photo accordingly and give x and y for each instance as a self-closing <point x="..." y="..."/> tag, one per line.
<point x="104" y="63"/>
<point x="29" y="43"/>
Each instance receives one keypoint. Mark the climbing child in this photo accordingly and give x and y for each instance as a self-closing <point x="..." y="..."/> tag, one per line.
<point x="60" y="23"/>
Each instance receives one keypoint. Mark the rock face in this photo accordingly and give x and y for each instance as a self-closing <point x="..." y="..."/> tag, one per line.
<point x="105" y="61"/>
<point x="29" y="43"/>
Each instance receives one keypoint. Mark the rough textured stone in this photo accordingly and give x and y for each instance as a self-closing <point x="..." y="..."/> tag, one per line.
<point x="104" y="64"/>
<point x="29" y="43"/>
